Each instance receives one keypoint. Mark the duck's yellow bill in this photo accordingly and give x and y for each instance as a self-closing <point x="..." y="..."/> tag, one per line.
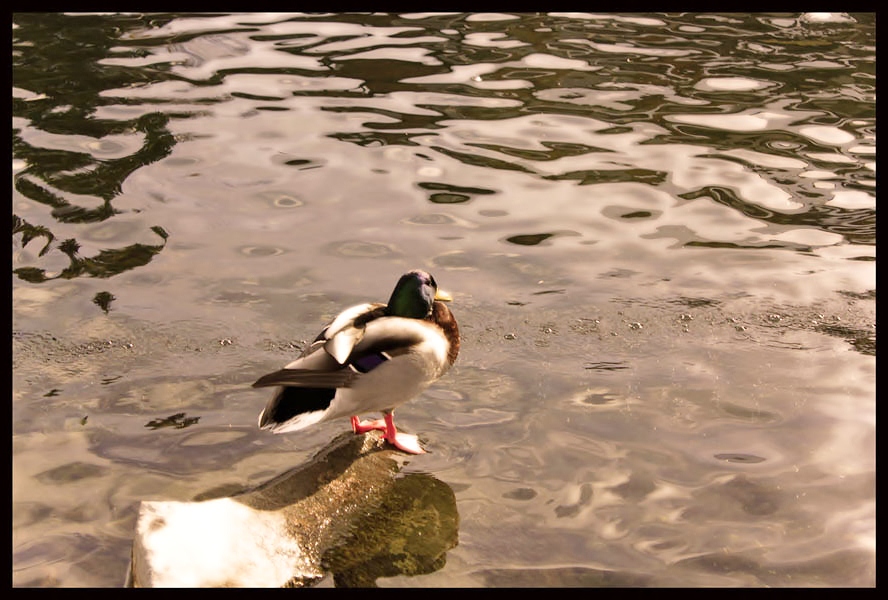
<point x="443" y="296"/>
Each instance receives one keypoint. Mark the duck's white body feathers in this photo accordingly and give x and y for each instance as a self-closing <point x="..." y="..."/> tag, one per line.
<point x="411" y="354"/>
<point x="367" y="360"/>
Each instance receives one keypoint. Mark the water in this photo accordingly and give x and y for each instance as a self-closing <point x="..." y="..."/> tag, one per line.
<point x="659" y="231"/>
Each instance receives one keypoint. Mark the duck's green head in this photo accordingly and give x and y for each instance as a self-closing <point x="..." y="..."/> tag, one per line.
<point x="414" y="294"/>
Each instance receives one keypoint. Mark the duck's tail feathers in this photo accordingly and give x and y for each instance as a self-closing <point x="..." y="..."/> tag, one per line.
<point x="293" y="408"/>
<point x="300" y="421"/>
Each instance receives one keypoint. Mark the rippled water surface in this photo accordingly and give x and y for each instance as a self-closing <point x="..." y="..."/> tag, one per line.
<point x="659" y="231"/>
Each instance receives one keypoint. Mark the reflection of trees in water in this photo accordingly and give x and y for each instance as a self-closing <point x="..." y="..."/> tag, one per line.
<point x="542" y="64"/>
<point x="104" y="264"/>
<point x="858" y="226"/>
<point x="56" y="60"/>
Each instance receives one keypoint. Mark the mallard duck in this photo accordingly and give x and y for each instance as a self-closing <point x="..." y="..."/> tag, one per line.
<point x="372" y="357"/>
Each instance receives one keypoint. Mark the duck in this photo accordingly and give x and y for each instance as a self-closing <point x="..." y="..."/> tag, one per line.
<point x="371" y="358"/>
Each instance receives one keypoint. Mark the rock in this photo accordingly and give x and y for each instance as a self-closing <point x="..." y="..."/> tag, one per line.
<point x="348" y="511"/>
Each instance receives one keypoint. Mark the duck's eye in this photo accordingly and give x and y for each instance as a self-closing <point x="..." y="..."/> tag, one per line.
<point x="432" y="281"/>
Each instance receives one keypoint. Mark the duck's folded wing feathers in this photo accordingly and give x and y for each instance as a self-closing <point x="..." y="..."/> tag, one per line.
<point x="308" y="378"/>
<point x="340" y="346"/>
<point x="347" y="330"/>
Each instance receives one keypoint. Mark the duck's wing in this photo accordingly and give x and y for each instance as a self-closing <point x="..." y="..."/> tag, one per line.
<point x="324" y="362"/>
<point x="307" y="378"/>
<point x="343" y="333"/>
<point x="381" y="340"/>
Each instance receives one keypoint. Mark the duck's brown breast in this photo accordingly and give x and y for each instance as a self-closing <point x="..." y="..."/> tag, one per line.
<point x="442" y="316"/>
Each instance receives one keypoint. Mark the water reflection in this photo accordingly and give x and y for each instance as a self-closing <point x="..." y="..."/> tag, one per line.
<point x="106" y="263"/>
<point x="178" y="420"/>
<point x="464" y="89"/>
